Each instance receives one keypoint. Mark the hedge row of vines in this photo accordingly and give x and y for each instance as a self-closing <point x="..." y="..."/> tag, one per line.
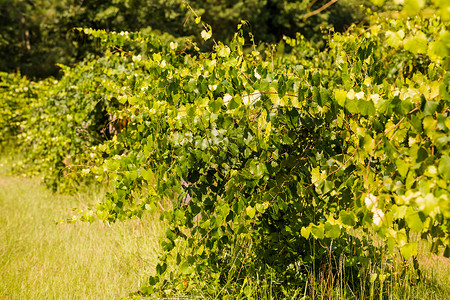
<point x="276" y="164"/>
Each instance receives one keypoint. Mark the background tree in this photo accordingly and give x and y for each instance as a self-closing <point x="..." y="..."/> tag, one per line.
<point x="35" y="35"/>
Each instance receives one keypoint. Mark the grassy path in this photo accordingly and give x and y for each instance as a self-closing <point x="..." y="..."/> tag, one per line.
<point x="40" y="259"/>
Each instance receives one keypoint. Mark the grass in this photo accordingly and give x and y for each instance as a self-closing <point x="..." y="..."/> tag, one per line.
<point x="435" y="283"/>
<point x="401" y="281"/>
<point x="41" y="259"/>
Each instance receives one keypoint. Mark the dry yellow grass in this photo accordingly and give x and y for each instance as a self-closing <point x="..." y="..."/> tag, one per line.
<point x="41" y="259"/>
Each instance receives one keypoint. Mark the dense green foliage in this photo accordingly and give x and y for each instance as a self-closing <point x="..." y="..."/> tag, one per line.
<point x="281" y="164"/>
<point x="16" y="93"/>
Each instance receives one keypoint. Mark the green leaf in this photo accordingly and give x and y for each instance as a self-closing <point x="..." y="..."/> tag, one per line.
<point x="444" y="8"/>
<point x="223" y="51"/>
<point x="301" y="94"/>
<point x="378" y="2"/>
<point x="324" y="96"/>
<point x="305" y="232"/>
<point x="161" y="268"/>
<point x="184" y="267"/>
<point x="347" y="218"/>
<point x="352" y="106"/>
<point x="200" y="250"/>
<point x="402" y="167"/>
<point x="315" y="80"/>
<point x="147" y="174"/>
<point x="413" y="6"/>
<point x="394" y="39"/>
<point x="408" y="250"/>
<point x="234" y="103"/>
<point x="440" y="48"/>
<point x="167" y="246"/>
<point x="430" y="108"/>
<point x="399" y="212"/>
<point x="273" y="96"/>
<point x="447" y="251"/>
<point x="391" y="243"/>
<point x="429" y="123"/>
<point x="206" y="35"/>
<point x="251" y="211"/>
<point x="340" y="96"/>
<point x="281" y="89"/>
<point x="171" y="235"/>
<point x="257" y="169"/>
<point x="332" y="231"/>
<point x="215" y="106"/>
<point x="366" y="108"/>
<point x="417" y="44"/>
<point x="316" y="95"/>
<point x="318" y="231"/>
<point x="260" y="207"/>
<point x="413" y="220"/>
<point x="444" y="166"/>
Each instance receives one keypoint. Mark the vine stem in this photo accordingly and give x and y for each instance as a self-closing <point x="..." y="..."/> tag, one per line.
<point x="340" y="167"/>
<point x="319" y="10"/>
<point x="379" y="142"/>
<point x="203" y="24"/>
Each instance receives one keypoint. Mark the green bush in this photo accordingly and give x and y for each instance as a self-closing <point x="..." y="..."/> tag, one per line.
<point x="277" y="161"/>
<point x="279" y="166"/>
